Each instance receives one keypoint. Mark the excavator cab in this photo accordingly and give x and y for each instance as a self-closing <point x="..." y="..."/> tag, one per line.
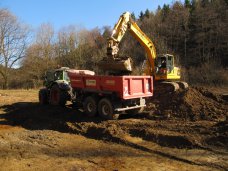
<point x="165" y="70"/>
<point x="164" y="63"/>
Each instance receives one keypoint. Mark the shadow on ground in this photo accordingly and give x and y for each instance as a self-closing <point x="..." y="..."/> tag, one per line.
<point x="33" y="116"/>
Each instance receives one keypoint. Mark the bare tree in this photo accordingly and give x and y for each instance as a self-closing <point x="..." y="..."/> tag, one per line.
<point x="13" y="38"/>
<point x="68" y="41"/>
<point x="45" y="38"/>
<point x="40" y="55"/>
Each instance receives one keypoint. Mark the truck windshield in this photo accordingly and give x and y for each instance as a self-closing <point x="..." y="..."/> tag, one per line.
<point x="66" y="76"/>
<point x="58" y="75"/>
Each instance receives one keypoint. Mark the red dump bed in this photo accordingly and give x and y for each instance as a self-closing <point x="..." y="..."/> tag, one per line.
<point x="126" y="87"/>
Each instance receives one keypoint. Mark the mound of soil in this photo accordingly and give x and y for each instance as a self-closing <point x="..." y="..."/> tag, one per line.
<point x="193" y="104"/>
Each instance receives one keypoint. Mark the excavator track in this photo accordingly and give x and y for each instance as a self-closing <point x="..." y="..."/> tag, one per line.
<point x="167" y="87"/>
<point x="183" y="85"/>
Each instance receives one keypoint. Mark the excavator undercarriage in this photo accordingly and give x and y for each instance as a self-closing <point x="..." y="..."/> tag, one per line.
<point x="166" y="87"/>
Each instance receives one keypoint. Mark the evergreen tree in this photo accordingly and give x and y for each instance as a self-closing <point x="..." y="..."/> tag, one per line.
<point x="141" y="15"/>
<point x="133" y="16"/>
<point x="147" y="13"/>
<point x="165" y="11"/>
<point x="187" y="3"/>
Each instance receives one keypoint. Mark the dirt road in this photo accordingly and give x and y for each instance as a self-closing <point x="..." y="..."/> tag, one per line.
<point x="35" y="137"/>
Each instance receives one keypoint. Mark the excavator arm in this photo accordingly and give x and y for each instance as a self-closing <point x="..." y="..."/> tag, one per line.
<point x="118" y="32"/>
<point x="124" y="24"/>
<point x="147" y="44"/>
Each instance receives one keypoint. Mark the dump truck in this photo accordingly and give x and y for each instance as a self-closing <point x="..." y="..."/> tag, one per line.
<point x="107" y="96"/>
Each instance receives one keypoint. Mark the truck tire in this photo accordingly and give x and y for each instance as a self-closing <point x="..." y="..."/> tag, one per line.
<point x="43" y="96"/>
<point x="90" y="106"/>
<point x="106" y="109"/>
<point x="57" y="96"/>
<point x="134" y="112"/>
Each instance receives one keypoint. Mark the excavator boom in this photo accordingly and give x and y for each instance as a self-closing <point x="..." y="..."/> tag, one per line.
<point x="115" y="62"/>
<point x="148" y="45"/>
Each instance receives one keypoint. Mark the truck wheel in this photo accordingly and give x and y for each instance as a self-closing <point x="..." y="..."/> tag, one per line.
<point x="136" y="111"/>
<point x="57" y="96"/>
<point x="90" y="106"/>
<point x="43" y="96"/>
<point x="106" y="109"/>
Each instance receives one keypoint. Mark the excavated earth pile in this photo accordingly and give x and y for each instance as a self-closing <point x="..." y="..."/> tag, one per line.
<point x="192" y="104"/>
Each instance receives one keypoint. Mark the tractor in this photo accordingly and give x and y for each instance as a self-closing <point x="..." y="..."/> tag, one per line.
<point x="57" y="88"/>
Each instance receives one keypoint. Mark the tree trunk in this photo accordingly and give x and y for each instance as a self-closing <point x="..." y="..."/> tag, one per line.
<point x="5" y="82"/>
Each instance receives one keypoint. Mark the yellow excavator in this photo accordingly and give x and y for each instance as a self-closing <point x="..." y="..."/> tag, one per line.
<point x="161" y="67"/>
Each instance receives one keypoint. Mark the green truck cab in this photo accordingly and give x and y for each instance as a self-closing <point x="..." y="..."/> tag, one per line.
<point x="57" y="88"/>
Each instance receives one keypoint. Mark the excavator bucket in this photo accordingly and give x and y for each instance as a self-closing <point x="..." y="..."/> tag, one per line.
<point x="122" y="64"/>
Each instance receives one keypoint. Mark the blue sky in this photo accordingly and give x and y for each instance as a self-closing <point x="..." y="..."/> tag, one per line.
<point x="89" y="14"/>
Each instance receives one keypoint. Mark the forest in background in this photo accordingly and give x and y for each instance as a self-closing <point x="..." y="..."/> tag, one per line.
<point x="194" y="31"/>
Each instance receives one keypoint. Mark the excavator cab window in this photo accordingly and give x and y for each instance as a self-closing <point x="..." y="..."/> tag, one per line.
<point x="169" y="64"/>
<point x="160" y="62"/>
<point x="163" y="62"/>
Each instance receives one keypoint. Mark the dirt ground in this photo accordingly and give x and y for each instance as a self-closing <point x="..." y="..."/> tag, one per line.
<point x="187" y="132"/>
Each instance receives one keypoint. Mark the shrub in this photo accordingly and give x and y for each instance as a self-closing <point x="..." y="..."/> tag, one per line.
<point x="211" y="74"/>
